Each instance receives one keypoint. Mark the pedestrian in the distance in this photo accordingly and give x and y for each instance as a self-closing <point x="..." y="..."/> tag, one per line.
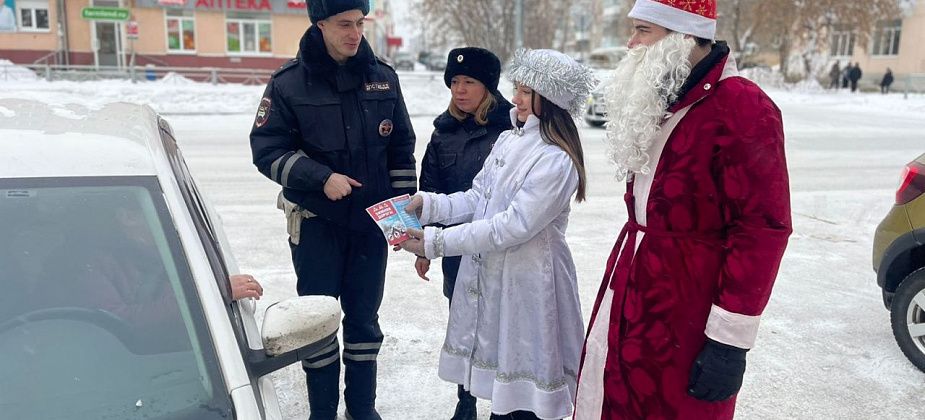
<point x="834" y="76"/>
<point x="854" y="75"/>
<point x="463" y="137"/>
<point x="886" y="82"/>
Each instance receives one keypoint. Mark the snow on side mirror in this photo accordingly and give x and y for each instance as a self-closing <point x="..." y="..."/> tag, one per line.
<point x="299" y="322"/>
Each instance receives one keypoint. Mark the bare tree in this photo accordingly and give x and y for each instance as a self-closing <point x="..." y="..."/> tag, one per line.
<point x="490" y="23"/>
<point x="806" y="25"/>
<point x="736" y="23"/>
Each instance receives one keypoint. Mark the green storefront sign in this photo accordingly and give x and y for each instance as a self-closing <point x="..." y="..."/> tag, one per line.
<point x="105" y="13"/>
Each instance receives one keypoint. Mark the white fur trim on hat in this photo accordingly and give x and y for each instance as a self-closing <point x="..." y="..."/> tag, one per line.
<point x="674" y="19"/>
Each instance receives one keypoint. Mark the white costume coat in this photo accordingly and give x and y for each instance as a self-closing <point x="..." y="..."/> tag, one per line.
<point x="515" y="331"/>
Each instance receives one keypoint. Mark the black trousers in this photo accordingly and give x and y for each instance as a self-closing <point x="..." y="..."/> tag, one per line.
<point x="515" y="415"/>
<point x="450" y="266"/>
<point x="333" y="261"/>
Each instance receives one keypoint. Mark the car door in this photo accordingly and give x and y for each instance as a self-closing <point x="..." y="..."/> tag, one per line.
<point x="223" y="264"/>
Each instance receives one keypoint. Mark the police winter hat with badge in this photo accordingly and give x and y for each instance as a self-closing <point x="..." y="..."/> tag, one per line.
<point x="477" y="63"/>
<point x="323" y="9"/>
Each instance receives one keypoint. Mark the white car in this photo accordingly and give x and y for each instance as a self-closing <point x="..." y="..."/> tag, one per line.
<point x="115" y="299"/>
<point x="596" y="109"/>
<point x="603" y="61"/>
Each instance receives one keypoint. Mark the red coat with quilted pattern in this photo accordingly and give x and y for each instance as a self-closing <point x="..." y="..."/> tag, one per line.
<point x="718" y="219"/>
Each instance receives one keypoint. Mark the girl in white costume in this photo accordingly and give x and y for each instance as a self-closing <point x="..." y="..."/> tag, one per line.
<point x="515" y="331"/>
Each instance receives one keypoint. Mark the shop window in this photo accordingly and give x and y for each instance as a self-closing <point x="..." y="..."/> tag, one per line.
<point x="181" y="31"/>
<point x="33" y="15"/>
<point x="248" y="33"/>
<point x="886" y="38"/>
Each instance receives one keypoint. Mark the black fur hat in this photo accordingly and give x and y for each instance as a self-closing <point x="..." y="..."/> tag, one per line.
<point x="477" y="63"/>
<point x="323" y="9"/>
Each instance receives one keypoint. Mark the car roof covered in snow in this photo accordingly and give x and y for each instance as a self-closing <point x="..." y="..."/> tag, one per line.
<point x="49" y="140"/>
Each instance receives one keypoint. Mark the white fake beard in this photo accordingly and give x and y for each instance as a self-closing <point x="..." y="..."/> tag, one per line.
<point x="645" y="82"/>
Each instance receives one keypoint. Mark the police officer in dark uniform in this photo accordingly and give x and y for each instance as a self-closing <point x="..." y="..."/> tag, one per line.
<point x="333" y="130"/>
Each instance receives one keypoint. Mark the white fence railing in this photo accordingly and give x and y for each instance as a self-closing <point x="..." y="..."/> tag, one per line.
<point x="914" y="82"/>
<point x="213" y="75"/>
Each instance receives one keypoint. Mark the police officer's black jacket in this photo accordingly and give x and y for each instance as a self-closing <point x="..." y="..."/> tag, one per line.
<point x="457" y="149"/>
<point x="317" y="118"/>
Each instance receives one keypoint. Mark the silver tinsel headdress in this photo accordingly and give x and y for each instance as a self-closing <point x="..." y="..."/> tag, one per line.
<point x="555" y="76"/>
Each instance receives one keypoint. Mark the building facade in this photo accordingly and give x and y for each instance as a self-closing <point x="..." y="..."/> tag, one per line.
<point x="596" y="26"/>
<point x="174" y="33"/>
<point x="894" y="44"/>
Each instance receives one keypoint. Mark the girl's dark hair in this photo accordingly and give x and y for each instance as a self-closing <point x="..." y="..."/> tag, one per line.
<point x="557" y="127"/>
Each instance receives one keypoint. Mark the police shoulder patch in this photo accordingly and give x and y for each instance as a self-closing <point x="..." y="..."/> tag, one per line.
<point x="286" y="66"/>
<point x="263" y="112"/>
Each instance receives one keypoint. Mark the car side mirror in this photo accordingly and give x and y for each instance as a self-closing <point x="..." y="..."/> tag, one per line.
<point x="298" y="322"/>
<point x="295" y="329"/>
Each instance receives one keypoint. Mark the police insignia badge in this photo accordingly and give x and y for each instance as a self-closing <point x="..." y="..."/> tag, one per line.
<point x="385" y="128"/>
<point x="378" y="87"/>
<point x="263" y="113"/>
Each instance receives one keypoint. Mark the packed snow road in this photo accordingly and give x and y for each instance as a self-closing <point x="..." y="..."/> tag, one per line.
<point x="825" y="349"/>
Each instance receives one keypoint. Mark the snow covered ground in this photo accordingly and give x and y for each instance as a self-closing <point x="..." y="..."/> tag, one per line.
<point x="825" y="349"/>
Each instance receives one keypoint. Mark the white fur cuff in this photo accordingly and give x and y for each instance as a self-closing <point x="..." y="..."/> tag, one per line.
<point x="433" y="242"/>
<point x="731" y="328"/>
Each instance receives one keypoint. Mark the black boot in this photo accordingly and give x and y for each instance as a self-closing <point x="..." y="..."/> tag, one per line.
<point x="515" y="415"/>
<point x="323" y="391"/>
<point x="465" y="408"/>
<point x="360" y="389"/>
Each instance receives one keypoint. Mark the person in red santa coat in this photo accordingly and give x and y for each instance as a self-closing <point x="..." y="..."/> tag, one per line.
<point x="702" y="151"/>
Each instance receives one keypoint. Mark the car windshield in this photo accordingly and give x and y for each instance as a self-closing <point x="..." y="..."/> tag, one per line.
<point x="99" y="317"/>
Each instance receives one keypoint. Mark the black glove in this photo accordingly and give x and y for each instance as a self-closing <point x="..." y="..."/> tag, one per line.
<point x="717" y="372"/>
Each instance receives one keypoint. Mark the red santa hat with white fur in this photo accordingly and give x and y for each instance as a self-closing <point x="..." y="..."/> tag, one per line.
<point x="690" y="17"/>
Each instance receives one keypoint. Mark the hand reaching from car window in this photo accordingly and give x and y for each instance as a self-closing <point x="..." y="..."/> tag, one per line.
<point x="245" y="286"/>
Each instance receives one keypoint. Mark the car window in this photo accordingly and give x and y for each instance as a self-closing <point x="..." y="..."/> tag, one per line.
<point x="105" y="320"/>
<point x="200" y="215"/>
<point x="207" y="236"/>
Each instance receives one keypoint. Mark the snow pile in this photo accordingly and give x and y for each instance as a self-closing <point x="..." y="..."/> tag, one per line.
<point x="764" y="77"/>
<point x="176" y="95"/>
<point x="424" y="93"/>
<point x="10" y="72"/>
<point x="173" y="78"/>
<point x="772" y="79"/>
